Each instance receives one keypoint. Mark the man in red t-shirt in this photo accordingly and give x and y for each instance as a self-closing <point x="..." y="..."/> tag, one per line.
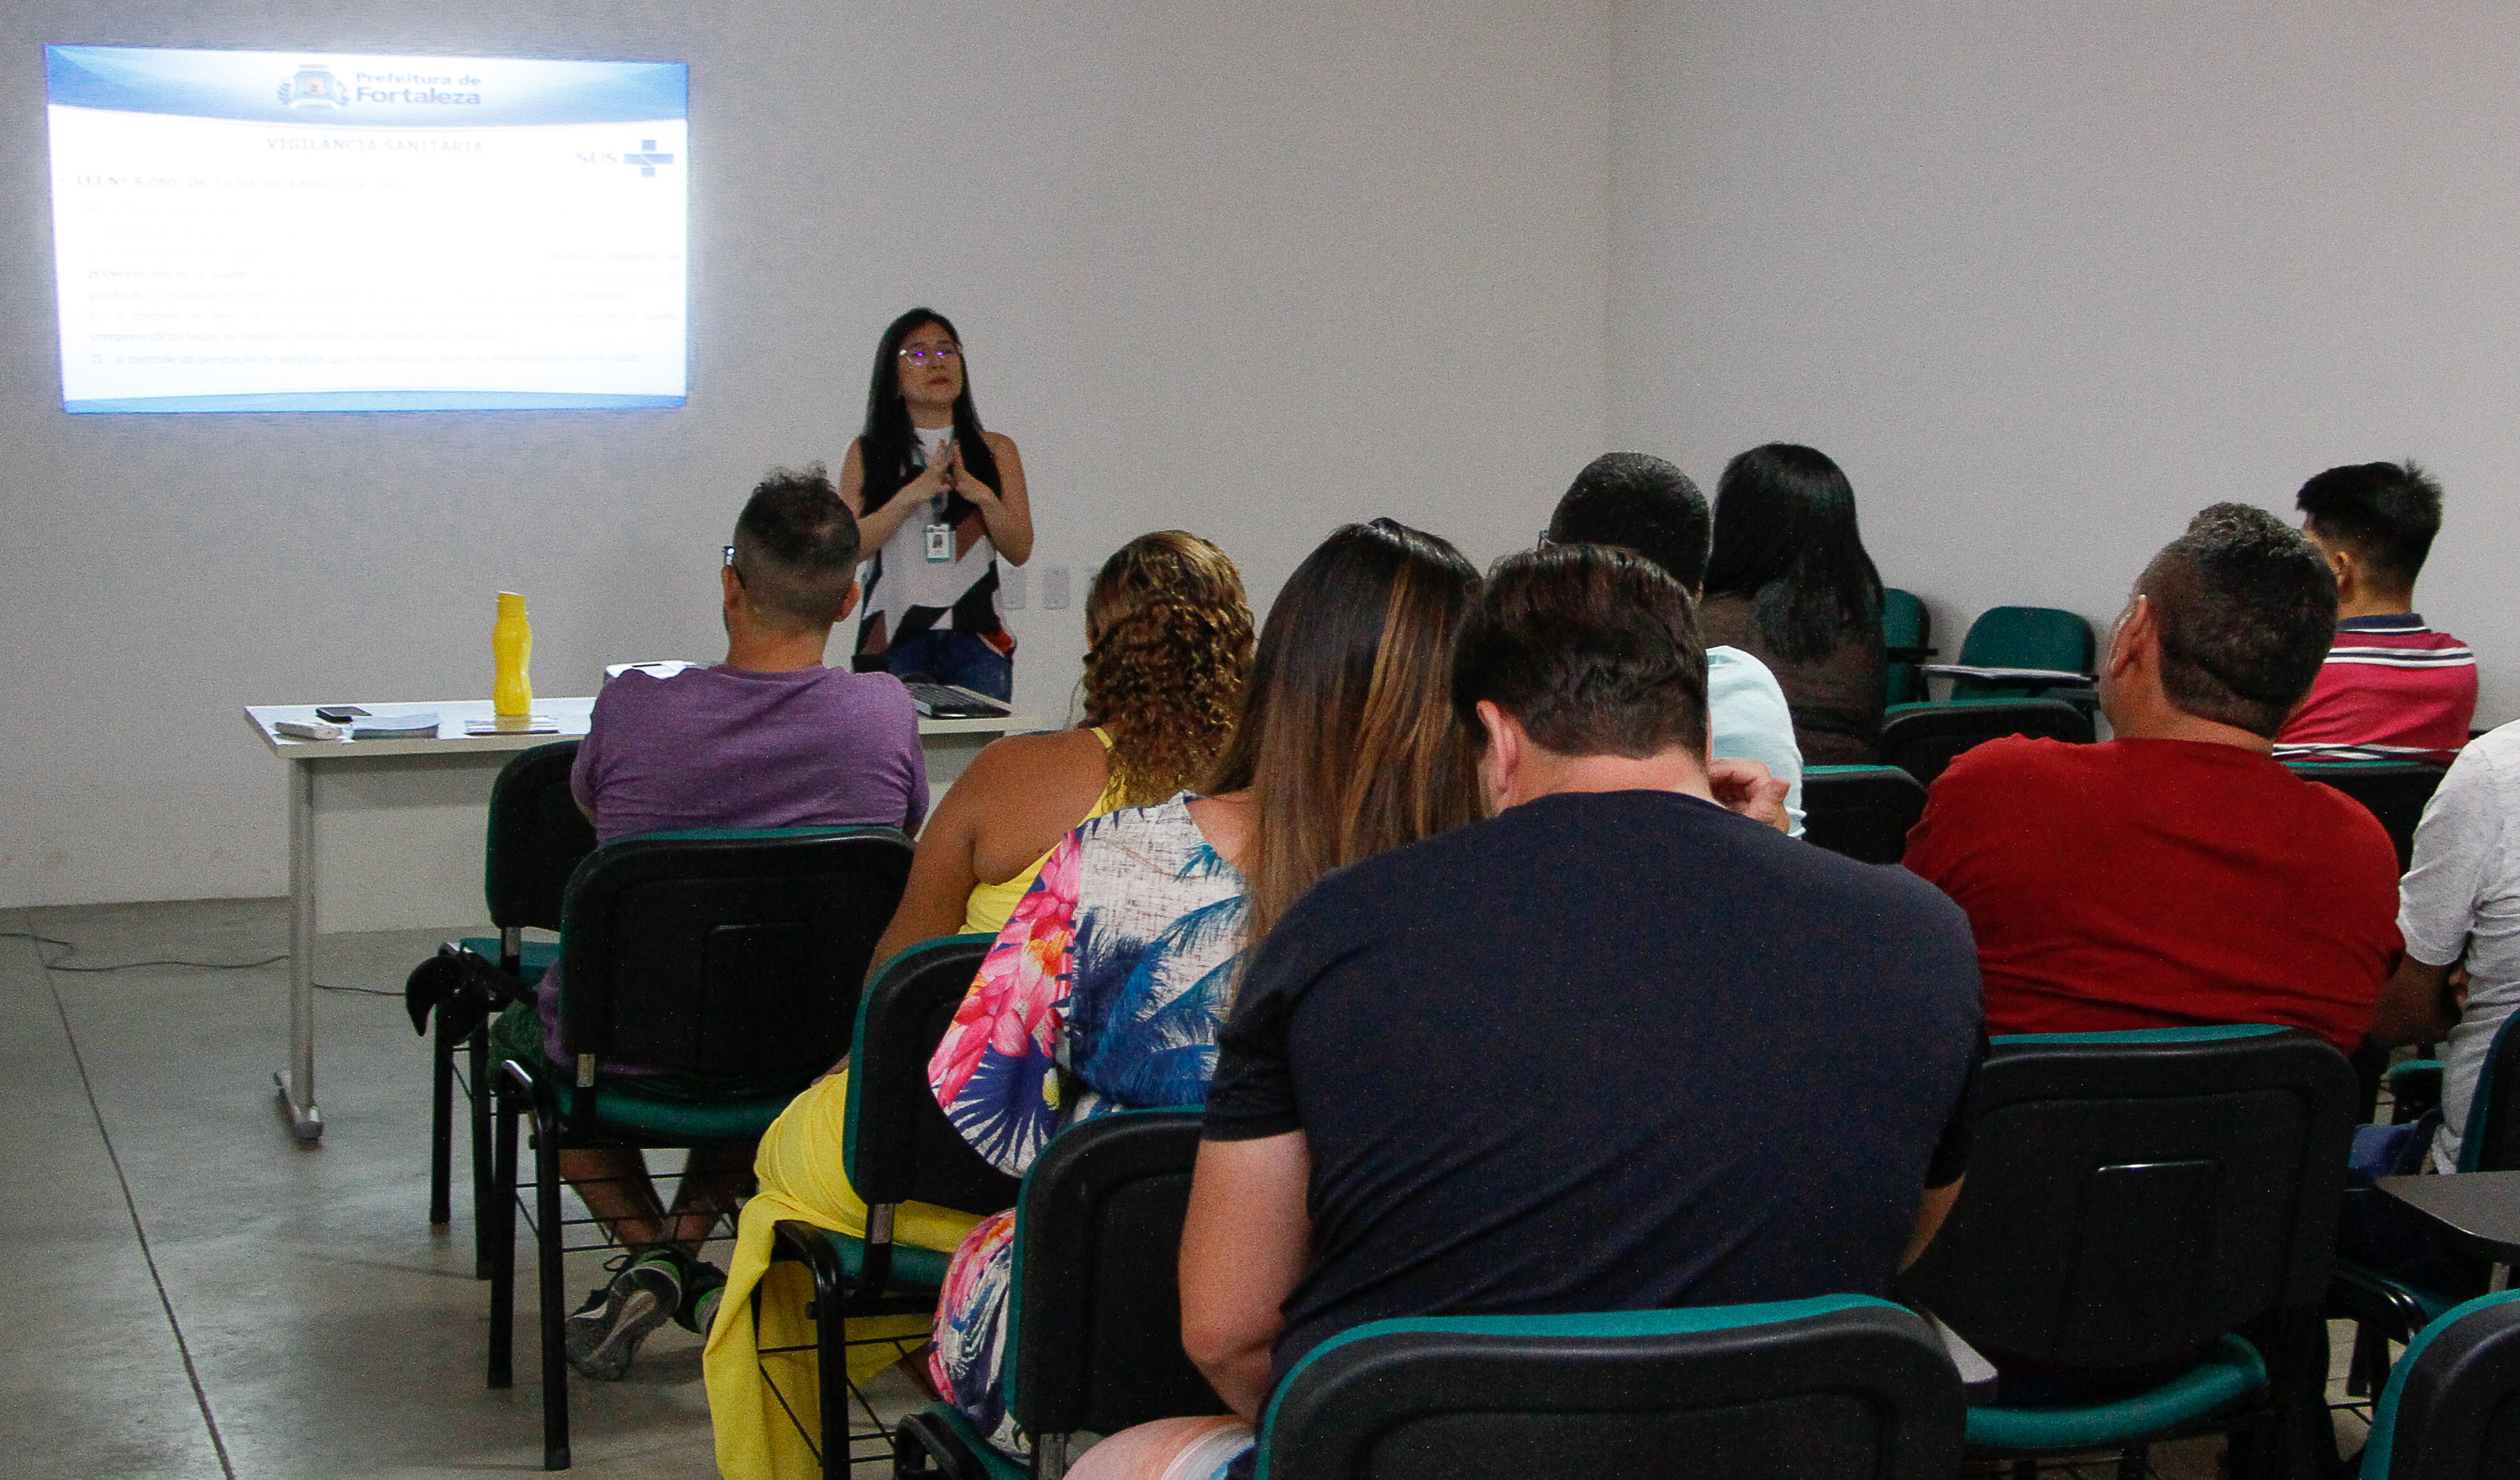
<point x="2393" y="689"/>
<point x="2177" y="875"/>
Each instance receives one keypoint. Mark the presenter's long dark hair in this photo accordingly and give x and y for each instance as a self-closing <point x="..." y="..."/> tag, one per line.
<point x="1785" y="540"/>
<point x="889" y="447"/>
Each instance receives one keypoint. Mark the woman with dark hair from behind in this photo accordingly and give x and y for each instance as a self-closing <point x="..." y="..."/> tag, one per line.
<point x="1107" y="989"/>
<point x="938" y="499"/>
<point x="1789" y="582"/>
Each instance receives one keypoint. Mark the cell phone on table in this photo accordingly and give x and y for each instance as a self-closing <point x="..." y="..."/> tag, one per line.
<point x="339" y="715"/>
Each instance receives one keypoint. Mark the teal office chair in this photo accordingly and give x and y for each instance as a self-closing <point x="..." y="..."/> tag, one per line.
<point x="2452" y="1411"/>
<point x="898" y="1147"/>
<point x="1923" y="740"/>
<point x="1840" y="1386"/>
<point x="733" y="957"/>
<point x="2134" y="1199"/>
<point x="1906" y="632"/>
<point x="534" y="838"/>
<point x="2390" y="1307"/>
<point x="1094" y="1312"/>
<point x="1862" y="812"/>
<point x="2025" y="637"/>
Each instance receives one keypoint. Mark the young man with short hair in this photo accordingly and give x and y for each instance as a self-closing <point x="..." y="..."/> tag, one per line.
<point x="2392" y="688"/>
<point x="1501" y="1071"/>
<point x="768" y="738"/>
<point x="2177" y="875"/>
<point x="1636" y="502"/>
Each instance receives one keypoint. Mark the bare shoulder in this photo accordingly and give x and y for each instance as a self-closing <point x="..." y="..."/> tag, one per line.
<point x="1002" y="445"/>
<point x="1021" y="761"/>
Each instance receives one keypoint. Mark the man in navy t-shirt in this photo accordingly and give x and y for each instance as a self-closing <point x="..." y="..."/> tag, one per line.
<point x="1620" y="1047"/>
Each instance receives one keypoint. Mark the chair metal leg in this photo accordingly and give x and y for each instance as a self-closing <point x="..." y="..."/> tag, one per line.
<point x="805" y="1243"/>
<point x="498" y="1217"/>
<point x="547" y="1241"/>
<point x="442" y="1125"/>
<point x="2134" y="1462"/>
<point x="2025" y="1469"/>
<point x="487" y="1189"/>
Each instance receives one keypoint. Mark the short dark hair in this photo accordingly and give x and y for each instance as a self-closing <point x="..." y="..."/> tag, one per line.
<point x="2247" y="607"/>
<point x="2385" y="513"/>
<point x="796" y="547"/>
<point x="1635" y="501"/>
<point x="1594" y="650"/>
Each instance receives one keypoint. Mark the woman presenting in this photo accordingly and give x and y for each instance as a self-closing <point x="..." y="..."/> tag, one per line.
<point x="938" y="500"/>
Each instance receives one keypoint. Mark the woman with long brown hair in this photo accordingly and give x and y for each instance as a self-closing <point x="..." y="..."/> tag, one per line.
<point x="1107" y="987"/>
<point x="1168" y="635"/>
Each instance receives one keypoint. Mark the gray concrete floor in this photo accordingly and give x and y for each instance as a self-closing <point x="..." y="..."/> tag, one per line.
<point x="191" y="1293"/>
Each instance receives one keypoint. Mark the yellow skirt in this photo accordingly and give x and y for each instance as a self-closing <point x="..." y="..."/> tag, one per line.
<point x="801" y="1178"/>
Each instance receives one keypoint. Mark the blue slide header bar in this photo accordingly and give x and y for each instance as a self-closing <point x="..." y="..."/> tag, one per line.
<point x="357" y="89"/>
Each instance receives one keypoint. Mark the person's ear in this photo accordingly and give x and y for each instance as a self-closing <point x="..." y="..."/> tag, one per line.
<point x="732" y="585"/>
<point x="848" y="604"/>
<point x="2349" y="572"/>
<point x="2137" y="637"/>
<point x="1502" y="761"/>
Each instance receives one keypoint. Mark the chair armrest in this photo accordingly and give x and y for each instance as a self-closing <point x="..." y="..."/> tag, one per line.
<point x="1977" y="1374"/>
<point x="2364" y="1295"/>
<point x="815" y="1248"/>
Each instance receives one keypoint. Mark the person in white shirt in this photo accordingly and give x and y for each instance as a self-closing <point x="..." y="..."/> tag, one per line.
<point x="1637" y="502"/>
<point x="2459" y="908"/>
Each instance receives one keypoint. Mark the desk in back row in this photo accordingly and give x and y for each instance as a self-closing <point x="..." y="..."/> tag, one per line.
<point x="386" y="834"/>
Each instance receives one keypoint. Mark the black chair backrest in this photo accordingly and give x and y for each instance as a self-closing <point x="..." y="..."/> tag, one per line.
<point x="2452" y="1411"/>
<point x="2132" y="1197"/>
<point x="2490" y="1142"/>
<point x="725" y="954"/>
<point x="2394" y="791"/>
<point x="1923" y="740"/>
<point x="901" y="1148"/>
<point x="1854" y="1390"/>
<point x="1096" y="1340"/>
<point x="537" y="838"/>
<point x="1863" y="812"/>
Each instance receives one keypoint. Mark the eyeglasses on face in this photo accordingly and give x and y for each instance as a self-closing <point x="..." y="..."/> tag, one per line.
<point x="922" y="356"/>
<point x="731" y="566"/>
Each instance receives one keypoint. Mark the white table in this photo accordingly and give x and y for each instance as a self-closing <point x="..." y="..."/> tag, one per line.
<point x="385" y="835"/>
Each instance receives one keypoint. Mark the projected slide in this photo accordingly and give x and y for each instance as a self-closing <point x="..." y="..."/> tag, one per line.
<point x="291" y="231"/>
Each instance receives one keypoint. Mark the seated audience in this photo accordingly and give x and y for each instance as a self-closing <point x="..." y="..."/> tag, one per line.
<point x="2392" y="688"/>
<point x="2177" y="875"/>
<point x="1466" y="1078"/>
<point x="768" y="738"/>
<point x="1788" y="583"/>
<point x="1105" y="988"/>
<point x="1633" y="501"/>
<point x="2459" y="908"/>
<point x="1168" y="641"/>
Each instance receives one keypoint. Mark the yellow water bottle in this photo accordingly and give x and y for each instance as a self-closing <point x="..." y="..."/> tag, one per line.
<point x="511" y="643"/>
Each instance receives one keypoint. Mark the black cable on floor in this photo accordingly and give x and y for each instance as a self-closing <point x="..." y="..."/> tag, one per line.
<point x="70" y="948"/>
<point x="130" y="1205"/>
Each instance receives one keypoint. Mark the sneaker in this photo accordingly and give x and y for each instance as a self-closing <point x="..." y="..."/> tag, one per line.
<point x="703" y="1283"/>
<point x="605" y="1334"/>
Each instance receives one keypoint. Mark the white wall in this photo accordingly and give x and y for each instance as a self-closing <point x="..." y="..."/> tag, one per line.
<point x="1249" y="271"/>
<point x="2048" y="277"/>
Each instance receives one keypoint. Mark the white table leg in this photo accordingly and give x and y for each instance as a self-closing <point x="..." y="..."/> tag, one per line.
<point x="297" y="1083"/>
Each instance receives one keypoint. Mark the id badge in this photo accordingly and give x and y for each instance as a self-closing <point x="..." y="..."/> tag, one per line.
<point x="940" y="544"/>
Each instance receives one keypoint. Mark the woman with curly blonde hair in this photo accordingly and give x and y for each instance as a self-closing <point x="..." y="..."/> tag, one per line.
<point x="1170" y="642"/>
<point x="1168" y="637"/>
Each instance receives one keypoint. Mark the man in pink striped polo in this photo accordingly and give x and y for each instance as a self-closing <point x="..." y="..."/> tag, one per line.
<point x="2392" y="688"/>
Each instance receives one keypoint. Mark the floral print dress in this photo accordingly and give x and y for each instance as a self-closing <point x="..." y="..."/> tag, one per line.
<point x="1105" y="992"/>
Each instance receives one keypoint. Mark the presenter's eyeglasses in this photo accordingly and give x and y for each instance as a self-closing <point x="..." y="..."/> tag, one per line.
<point x="932" y="352"/>
<point x="731" y="565"/>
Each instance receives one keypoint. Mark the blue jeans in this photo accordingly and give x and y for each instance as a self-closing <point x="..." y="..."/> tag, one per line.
<point x="959" y="659"/>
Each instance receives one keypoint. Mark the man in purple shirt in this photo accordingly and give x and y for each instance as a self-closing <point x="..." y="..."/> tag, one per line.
<point x="768" y="738"/>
